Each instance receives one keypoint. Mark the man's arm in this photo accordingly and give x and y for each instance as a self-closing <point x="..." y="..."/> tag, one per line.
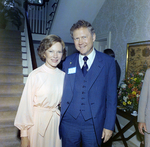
<point x="111" y="103"/>
<point x="111" y="96"/>
<point x="141" y="126"/>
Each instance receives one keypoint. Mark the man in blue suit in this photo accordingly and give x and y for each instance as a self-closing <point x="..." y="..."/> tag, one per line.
<point x="89" y="101"/>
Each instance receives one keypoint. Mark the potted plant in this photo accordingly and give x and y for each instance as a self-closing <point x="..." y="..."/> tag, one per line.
<point x="10" y="12"/>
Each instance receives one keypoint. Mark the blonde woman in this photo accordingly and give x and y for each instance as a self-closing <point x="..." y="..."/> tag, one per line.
<point x="38" y="114"/>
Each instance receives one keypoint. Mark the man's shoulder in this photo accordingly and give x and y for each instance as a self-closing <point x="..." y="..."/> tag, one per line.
<point x="71" y="57"/>
<point x="68" y="60"/>
<point x="103" y="56"/>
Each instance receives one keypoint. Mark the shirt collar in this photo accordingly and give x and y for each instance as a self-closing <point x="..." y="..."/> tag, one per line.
<point x="90" y="56"/>
<point x="90" y="60"/>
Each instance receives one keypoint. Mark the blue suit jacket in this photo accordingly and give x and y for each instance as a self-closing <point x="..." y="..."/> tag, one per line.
<point x="102" y="90"/>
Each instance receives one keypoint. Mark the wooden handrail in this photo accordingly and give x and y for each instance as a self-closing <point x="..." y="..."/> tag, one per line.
<point x="33" y="58"/>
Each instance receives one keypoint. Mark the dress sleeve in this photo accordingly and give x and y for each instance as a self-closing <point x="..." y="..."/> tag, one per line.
<point x="24" y="116"/>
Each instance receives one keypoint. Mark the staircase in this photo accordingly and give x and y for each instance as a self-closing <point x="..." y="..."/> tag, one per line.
<point x="11" y="85"/>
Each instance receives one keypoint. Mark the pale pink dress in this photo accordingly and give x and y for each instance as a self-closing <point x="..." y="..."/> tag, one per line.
<point x="38" y="114"/>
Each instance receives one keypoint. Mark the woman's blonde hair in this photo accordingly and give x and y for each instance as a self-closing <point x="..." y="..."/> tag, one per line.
<point x="47" y="42"/>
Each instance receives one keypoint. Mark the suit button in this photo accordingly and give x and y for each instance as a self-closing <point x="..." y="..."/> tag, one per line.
<point x="68" y="103"/>
<point x="83" y="92"/>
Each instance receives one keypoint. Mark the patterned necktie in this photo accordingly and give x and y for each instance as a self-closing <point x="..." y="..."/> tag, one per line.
<point x="85" y="66"/>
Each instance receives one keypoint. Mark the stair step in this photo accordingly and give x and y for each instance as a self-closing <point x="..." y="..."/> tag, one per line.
<point x="8" y="115"/>
<point x="14" y="54"/>
<point x="12" y="78"/>
<point x="9" y="103"/>
<point x="6" y="132"/>
<point x="10" y="40"/>
<point x="10" y="60"/>
<point x="10" y="142"/>
<point x="7" y="128"/>
<point x="7" y="57"/>
<point x="9" y="33"/>
<point x="9" y="108"/>
<point x="11" y="88"/>
<point x="11" y="69"/>
<point x="6" y="123"/>
<point x="9" y="49"/>
<point x="9" y="45"/>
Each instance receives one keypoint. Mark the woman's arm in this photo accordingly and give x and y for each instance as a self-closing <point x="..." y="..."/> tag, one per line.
<point x="25" y="142"/>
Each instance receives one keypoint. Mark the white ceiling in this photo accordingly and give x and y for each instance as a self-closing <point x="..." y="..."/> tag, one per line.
<point x="70" y="11"/>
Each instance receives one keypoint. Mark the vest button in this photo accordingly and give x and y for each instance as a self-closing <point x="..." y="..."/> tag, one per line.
<point x="83" y="92"/>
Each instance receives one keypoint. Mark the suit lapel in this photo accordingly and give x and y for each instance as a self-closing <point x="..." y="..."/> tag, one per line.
<point x="94" y="70"/>
<point x="92" y="73"/>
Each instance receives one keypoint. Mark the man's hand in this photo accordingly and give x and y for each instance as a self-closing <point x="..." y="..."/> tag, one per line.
<point x="141" y="126"/>
<point x="106" y="135"/>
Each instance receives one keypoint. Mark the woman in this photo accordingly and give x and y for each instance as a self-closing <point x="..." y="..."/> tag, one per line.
<point x="38" y="114"/>
<point x="144" y="109"/>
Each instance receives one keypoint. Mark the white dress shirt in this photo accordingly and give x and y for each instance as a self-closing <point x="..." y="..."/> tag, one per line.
<point x="90" y="60"/>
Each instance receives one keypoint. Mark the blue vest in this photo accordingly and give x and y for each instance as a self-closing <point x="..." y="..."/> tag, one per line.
<point x="80" y="101"/>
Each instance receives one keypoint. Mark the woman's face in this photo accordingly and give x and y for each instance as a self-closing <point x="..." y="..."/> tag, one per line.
<point x="53" y="55"/>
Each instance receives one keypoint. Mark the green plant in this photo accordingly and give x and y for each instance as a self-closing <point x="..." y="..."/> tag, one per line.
<point x="129" y="91"/>
<point x="10" y="12"/>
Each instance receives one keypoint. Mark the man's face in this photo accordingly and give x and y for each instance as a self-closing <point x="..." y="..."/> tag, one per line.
<point x="83" y="40"/>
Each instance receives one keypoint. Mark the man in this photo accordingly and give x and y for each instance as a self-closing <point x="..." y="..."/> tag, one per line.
<point x="111" y="53"/>
<point x="88" y="107"/>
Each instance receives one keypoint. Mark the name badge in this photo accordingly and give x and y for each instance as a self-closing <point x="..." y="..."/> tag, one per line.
<point x="72" y="70"/>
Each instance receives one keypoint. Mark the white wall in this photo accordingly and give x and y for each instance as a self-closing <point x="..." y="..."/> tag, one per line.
<point x="128" y="21"/>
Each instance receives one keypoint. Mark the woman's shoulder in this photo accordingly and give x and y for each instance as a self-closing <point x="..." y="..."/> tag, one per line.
<point x="60" y="71"/>
<point x="36" y="71"/>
